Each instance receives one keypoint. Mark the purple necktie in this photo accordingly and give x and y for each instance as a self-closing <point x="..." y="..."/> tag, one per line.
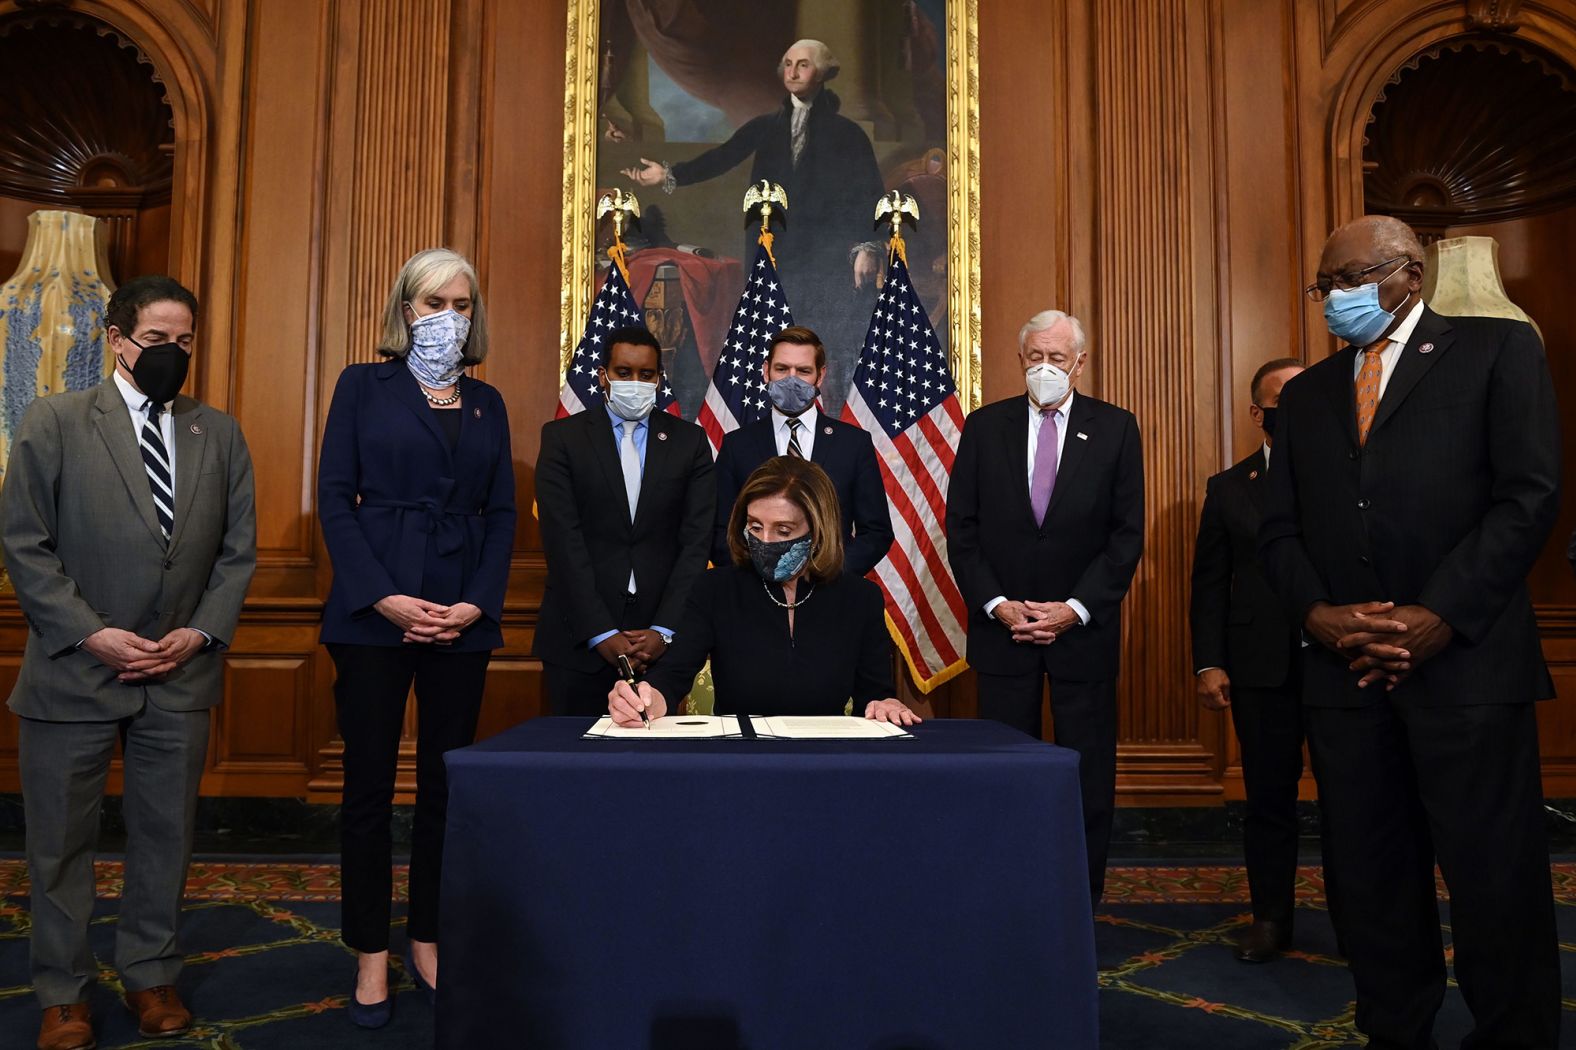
<point x="1044" y="482"/>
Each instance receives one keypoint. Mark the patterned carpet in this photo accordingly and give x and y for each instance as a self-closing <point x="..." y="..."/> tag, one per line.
<point x="266" y="969"/>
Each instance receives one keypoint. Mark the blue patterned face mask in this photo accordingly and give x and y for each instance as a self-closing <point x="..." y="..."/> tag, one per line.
<point x="779" y="560"/>
<point x="437" y="348"/>
<point x="1355" y="315"/>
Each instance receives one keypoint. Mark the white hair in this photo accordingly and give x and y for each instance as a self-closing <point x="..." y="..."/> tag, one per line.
<point x="1050" y="319"/>
<point x="826" y="64"/>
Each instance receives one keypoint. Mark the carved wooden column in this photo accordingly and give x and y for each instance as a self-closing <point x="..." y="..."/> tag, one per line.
<point x="1154" y="316"/>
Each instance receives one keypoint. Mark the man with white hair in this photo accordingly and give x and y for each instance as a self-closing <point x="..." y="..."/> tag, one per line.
<point x="827" y="166"/>
<point x="1045" y="526"/>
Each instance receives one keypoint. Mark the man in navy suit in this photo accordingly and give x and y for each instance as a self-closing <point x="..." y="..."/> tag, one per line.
<point x="795" y="368"/>
<point x="1045" y="526"/>
<point x="1245" y="658"/>
<point x="1416" y="478"/>
<point x="625" y="497"/>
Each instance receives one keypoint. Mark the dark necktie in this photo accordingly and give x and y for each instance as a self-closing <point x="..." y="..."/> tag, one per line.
<point x="793" y="439"/>
<point x="157" y="461"/>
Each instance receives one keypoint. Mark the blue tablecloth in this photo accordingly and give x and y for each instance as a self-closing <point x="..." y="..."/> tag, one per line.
<point x="771" y="895"/>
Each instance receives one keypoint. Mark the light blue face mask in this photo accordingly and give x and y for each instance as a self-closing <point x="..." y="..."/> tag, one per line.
<point x="1355" y="315"/>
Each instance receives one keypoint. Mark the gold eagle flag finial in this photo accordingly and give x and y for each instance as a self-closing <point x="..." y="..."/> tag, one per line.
<point x="765" y="195"/>
<point x="625" y="208"/>
<point x="893" y="206"/>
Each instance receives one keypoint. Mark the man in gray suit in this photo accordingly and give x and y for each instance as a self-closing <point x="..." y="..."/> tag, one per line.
<point x="128" y="528"/>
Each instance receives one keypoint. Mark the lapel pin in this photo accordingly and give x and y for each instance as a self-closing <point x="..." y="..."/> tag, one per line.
<point x="827" y="431"/>
<point x="1425" y="348"/>
<point x="476" y="412"/>
<point x="662" y="437"/>
<point x="1082" y="436"/>
<point x="1253" y="475"/>
<point x="196" y="428"/>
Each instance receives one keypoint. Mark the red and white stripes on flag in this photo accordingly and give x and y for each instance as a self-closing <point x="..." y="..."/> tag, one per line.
<point x="614" y="307"/>
<point x="736" y="394"/>
<point x="904" y="397"/>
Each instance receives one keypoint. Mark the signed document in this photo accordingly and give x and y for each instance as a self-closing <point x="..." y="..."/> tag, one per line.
<point x="780" y="727"/>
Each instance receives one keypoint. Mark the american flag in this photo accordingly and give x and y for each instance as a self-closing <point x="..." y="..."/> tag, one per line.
<point x="737" y="394"/>
<point x="614" y="307"/>
<point x="904" y="397"/>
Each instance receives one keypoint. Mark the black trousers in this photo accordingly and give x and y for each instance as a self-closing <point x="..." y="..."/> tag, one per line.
<point x="370" y="689"/>
<point x="1269" y="729"/>
<point x="573" y="692"/>
<point x="1085" y="720"/>
<point x="1405" y="785"/>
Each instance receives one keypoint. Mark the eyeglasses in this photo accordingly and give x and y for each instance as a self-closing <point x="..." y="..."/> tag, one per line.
<point x="1320" y="289"/>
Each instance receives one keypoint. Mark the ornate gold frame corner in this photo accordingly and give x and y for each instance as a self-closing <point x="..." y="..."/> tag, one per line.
<point x="963" y="181"/>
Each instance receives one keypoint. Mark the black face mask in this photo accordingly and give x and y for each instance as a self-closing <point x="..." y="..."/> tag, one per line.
<point x="1269" y="420"/>
<point x="160" y="370"/>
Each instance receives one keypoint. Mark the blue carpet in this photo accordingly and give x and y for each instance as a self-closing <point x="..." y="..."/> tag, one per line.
<point x="266" y="970"/>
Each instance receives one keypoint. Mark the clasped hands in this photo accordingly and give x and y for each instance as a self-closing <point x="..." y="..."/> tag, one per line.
<point x="625" y="704"/>
<point x="1383" y="641"/>
<point x="643" y="648"/>
<point x="140" y="659"/>
<point x="1036" y="623"/>
<point x="427" y="622"/>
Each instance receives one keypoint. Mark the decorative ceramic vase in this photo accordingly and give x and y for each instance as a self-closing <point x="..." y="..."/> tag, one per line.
<point x="52" y="318"/>
<point x="1461" y="279"/>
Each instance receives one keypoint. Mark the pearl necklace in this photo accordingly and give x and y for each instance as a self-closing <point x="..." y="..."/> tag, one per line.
<point x="441" y="402"/>
<point x="787" y="605"/>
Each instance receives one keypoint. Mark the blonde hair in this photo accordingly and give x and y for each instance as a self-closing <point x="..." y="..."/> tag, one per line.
<point x="424" y="273"/>
<point x="806" y="486"/>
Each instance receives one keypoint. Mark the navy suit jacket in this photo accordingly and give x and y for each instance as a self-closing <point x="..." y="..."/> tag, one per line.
<point x="1087" y="547"/>
<point x="1239" y="624"/>
<point x="1447" y="506"/>
<point x="402" y="513"/>
<point x="841" y="449"/>
<point x="592" y="546"/>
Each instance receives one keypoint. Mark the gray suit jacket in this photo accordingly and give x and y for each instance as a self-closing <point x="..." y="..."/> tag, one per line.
<point x="84" y="550"/>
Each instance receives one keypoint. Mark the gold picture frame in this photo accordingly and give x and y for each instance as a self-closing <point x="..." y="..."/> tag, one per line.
<point x="581" y="69"/>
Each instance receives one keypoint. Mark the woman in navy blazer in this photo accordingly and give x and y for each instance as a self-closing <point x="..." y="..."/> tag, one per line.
<point x="416" y="496"/>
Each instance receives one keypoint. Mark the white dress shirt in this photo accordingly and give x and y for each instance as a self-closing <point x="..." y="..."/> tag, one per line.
<point x="1391" y="353"/>
<point x="809" y="417"/>
<point x="1036" y="420"/>
<point x="801" y="115"/>
<point x="137" y="405"/>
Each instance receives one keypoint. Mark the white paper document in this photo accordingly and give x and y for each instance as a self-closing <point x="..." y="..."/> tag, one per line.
<point x="669" y="727"/>
<point x="779" y="727"/>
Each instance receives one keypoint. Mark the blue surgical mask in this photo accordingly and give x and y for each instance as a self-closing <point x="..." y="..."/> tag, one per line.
<point x="1355" y="315"/>
<point x="792" y="395"/>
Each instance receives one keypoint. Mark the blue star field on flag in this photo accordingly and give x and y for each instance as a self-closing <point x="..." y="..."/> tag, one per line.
<point x="903" y="373"/>
<point x="761" y="314"/>
<point x="614" y="307"/>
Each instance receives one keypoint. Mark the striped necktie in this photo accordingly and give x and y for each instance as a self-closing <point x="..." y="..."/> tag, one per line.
<point x="156" y="458"/>
<point x="793" y="438"/>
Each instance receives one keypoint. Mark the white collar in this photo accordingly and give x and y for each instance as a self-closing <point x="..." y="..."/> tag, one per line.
<point x="1403" y="331"/>
<point x="1266" y="455"/>
<point x="801" y="104"/>
<point x="136" y="400"/>
<point x="1066" y="408"/>
<point x="807" y="417"/>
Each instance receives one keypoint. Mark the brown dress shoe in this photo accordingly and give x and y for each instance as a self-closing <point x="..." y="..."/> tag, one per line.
<point x="159" y="1011"/>
<point x="66" y="1027"/>
<point x="1263" y="942"/>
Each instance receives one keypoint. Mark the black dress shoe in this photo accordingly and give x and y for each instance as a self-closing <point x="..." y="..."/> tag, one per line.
<point x="1263" y="942"/>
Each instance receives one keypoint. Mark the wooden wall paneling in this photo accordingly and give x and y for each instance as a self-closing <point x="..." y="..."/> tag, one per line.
<point x="1154" y="215"/>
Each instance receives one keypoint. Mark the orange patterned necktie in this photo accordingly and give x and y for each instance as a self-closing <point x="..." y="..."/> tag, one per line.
<point x="1368" y="390"/>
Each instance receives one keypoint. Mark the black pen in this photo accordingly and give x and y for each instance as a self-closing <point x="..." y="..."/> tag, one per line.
<point x="627" y="672"/>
